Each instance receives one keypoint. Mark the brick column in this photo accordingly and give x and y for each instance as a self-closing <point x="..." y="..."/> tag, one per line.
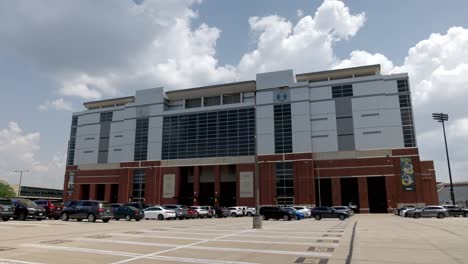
<point x="107" y="193"/>
<point x="363" y="195"/>
<point x="217" y="185"/>
<point x="336" y="191"/>
<point x="125" y="185"/>
<point x="92" y="192"/>
<point x="196" y="184"/>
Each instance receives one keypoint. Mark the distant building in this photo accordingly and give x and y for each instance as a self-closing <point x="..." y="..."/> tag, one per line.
<point x="459" y="188"/>
<point x="331" y="138"/>
<point x="38" y="192"/>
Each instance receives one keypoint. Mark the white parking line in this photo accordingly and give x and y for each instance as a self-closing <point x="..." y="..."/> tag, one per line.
<point x="14" y="261"/>
<point x="170" y="237"/>
<point x="295" y="237"/>
<point x="243" y="250"/>
<point x="176" y="232"/>
<point x="133" y="255"/>
<point x="281" y="243"/>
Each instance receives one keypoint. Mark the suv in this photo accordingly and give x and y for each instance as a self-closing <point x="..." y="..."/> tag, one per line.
<point x="25" y="208"/>
<point x="276" y="212"/>
<point x="328" y="212"/>
<point x="53" y="208"/>
<point x="429" y="211"/>
<point x="455" y="210"/>
<point x="235" y="211"/>
<point x="180" y="210"/>
<point x="210" y="209"/>
<point x="6" y="209"/>
<point x="88" y="209"/>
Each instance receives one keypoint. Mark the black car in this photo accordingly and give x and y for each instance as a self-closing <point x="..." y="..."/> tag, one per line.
<point x="129" y="213"/>
<point x="25" y="208"/>
<point x="137" y="205"/>
<point x="275" y="212"/>
<point x="87" y="209"/>
<point x="6" y="209"/>
<point x="53" y="208"/>
<point x="456" y="210"/>
<point x="328" y="212"/>
<point x="115" y="206"/>
<point x="221" y="212"/>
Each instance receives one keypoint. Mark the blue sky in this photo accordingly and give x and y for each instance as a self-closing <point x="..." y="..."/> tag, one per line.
<point x="54" y="57"/>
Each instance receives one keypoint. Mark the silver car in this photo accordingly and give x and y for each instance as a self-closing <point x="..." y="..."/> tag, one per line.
<point x="429" y="211"/>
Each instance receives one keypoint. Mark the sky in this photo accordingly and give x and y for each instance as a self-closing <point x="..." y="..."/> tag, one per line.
<point x="57" y="54"/>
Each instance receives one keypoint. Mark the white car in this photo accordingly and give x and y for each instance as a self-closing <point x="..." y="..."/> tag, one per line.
<point x="250" y="211"/>
<point x="159" y="212"/>
<point x="303" y="210"/>
<point x="236" y="211"/>
<point x="202" y="212"/>
<point x="405" y="210"/>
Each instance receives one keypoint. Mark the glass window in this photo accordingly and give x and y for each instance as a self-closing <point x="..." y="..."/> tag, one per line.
<point x="403" y="86"/>
<point x="282" y="128"/>
<point x="139" y="183"/>
<point x="342" y="91"/>
<point x="106" y="117"/>
<point x="231" y="98"/>
<point x="193" y="103"/>
<point x="141" y="139"/>
<point x="210" y="101"/>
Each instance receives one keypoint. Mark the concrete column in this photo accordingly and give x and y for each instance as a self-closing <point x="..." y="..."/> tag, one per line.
<point x="217" y="185"/>
<point x="363" y="195"/>
<point x="92" y="192"/>
<point x="336" y="191"/>
<point x="107" y="193"/>
<point x="196" y="184"/>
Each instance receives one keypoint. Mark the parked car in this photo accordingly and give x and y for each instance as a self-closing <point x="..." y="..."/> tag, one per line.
<point x="353" y="206"/>
<point x="404" y="212"/>
<point x="192" y="213"/>
<point x="6" y="209"/>
<point x="298" y="215"/>
<point x="456" y="211"/>
<point x="25" y="208"/>
<point x="139" y="205"/>
<point x="202" y="213"/>
<point x="345" y="209"/>
<point x="397" y="211"/>
<point x="429" y="211"/>
<point x="210" y="209"/>
<point x="221" y="212"/>
<point x="129" y="213"/>
<point x="303" y="210"/>
<point x="53" y="208"/>
<point x="180" y="210"/>
<point x="159" y="212"/>
<point x="88" y="209"/>
<point x="276" y="212"/>
<point x="235" y="211"/>
<point x="114" y="206"/>
<point x="328" y="212"/>
<point x="250" y="211"/>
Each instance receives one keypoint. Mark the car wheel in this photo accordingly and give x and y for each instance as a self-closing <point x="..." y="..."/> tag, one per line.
<point x="160" y="217"/>
<point x="137" y="220"/>
<point x="318" y="217"/>
<point x="416" y="216"/>
<point x="341" y="217"/>
<point x="64" y="217"/>
<point x="286" y="218"/>
<point x="79" y="219"/>
<point x="117" y="219"/>
<point x="440" y="215"/>
<point x="249" y="214"/>
<point x="106" y="220"/>
<point x="128" y="218"/>
<point x="465" y="215"/>
<point x="296" y="217"/>
<point x="5" y="219"/>
<point x="91" y="218"/>
<point x="56" y="217"/>
<point x="21" y="217"/>
<point x="233" y="215"/>
<point x="38" y="219"/>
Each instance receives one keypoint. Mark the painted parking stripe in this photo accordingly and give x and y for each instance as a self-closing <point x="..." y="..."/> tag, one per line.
<point x="243" y="250"/>
<point x="176" y="232"/>
<point x="295" y="237"/>
<point x="133" y="255"/>
<point x="281" y="243"/>
<point x="14" y="261"/>
<point x="151" y="236"/>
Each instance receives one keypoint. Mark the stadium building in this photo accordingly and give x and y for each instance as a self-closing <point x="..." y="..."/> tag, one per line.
<point x="330" y="138"/>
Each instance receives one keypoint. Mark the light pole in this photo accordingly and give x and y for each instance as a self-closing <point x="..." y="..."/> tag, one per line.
<point x="257" y="219"/>
<point x="318" y="181"/>
<point x="442" y="118"/>
<point x="21" y="176"/>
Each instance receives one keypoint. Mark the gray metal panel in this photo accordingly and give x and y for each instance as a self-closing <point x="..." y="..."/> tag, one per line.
<point x="344" y="125"/>
<point x="343" y="106"/>
<point x="275" y="79"/>
<point x="346" y="142"/>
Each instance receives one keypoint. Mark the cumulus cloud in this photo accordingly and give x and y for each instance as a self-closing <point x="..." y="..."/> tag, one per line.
<point x="18" y="150"/>
<point x="362" y="58"/>
<point x="57" y="104"/>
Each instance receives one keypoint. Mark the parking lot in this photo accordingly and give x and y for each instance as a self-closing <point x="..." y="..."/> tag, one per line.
<point x="361" y="239"/>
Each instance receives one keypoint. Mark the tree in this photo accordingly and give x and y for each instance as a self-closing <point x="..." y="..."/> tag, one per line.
<point x="6" y="190"/>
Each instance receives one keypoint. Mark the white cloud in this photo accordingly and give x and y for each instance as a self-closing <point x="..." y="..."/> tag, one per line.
<point x="362" y="58"/>
<point x="18" y="151"/>
<point x="300" y="13"/>
<point x="57" y="104"/>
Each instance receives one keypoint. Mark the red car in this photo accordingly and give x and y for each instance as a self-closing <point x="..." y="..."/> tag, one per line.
<point x="192" y="213"/>
<point x="53" y="208"/>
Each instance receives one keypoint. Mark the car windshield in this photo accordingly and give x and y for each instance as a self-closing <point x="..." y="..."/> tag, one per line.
<point x="340" y="207"/>
<point x="28" y="203"/>
<point x="133" y="208"/>
<point x="56" y="203"/>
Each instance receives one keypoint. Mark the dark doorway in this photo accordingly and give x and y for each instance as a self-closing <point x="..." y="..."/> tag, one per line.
<point x="206" y="196"/>
<point x="349" y="191"/>
<point x="377" y="194"/>
<point x="228" y="194"/>
<point x="186" y="186"/>
<point x="84" y="194"/>
<point x="100" y="192"/>
<point x="325" y="192"/>
<point x="114" y="196"/>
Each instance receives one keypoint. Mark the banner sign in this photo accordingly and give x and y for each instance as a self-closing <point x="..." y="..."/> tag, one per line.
<point x="407" y="174"/>
<point x="71" y="182"/>
<point x="168" y="185"/>
<point x="246" y="184"/>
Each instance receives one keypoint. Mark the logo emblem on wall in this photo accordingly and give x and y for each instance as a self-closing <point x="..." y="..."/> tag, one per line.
<point x="407" y="174"/>
<point x="281" y="96"/>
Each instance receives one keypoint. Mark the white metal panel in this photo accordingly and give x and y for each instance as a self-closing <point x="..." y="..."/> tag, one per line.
<point x="300" y="108"/>
<point x="264" y="97"/>
<point x="322" y="107"/>
<point x="88" y="119"/>
<point x="320" y="93"/>
<point x="266" y="144"/>
<point x="301" y="141"/>
<point x="265" y="126"/>
<point x="299" y="94"/>
<point x="264" y="111"/>
<point x="324" y="144"/>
